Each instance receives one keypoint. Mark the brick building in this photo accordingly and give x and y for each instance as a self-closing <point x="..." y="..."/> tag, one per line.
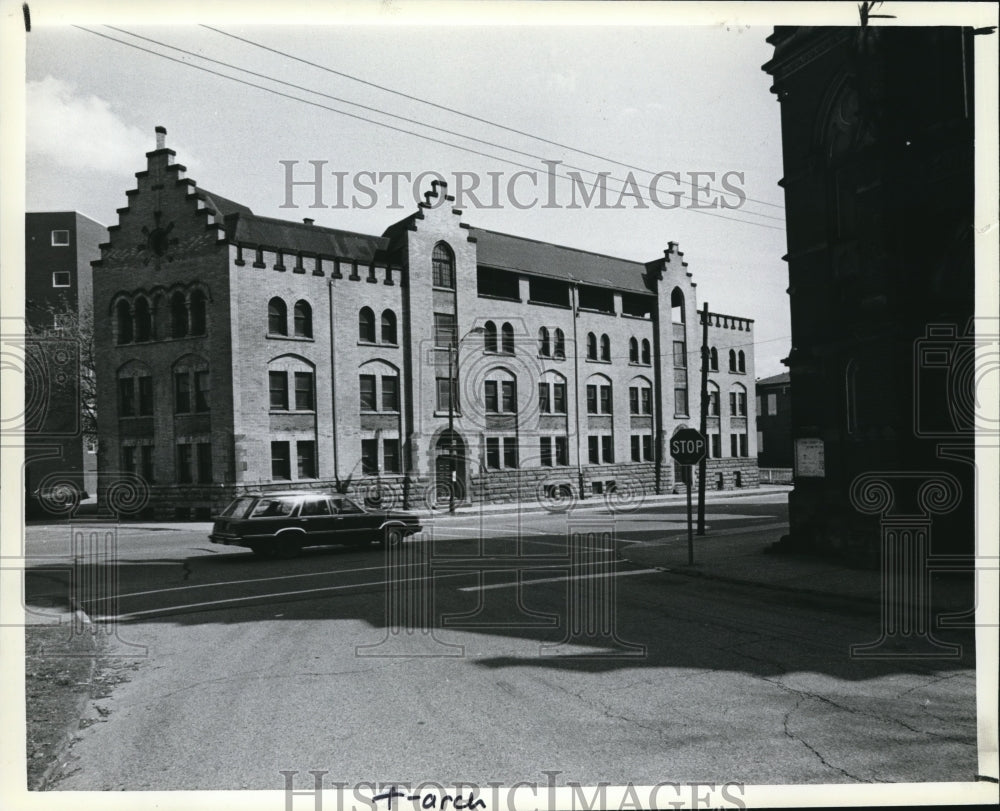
<point x="239" y="351"/>
<point x="59" y="247"/>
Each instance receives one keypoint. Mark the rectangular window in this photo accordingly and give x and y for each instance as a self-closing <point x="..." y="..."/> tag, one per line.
<point x="741" y="401"/>
<point x="204" y="451"/>
<point x="128" y="458"/>
<point x="545" y="451"/>
<point x="493" y="453"/>
<point x="366" y="385"/>
<point x="492" y="401"/>
<point x="281" y="467"/>
<point x="605" y="399"/>
<point x="646" y="406"/>
<point x="390" y="393"/>
<point x="390" y="456"/>
<point x="510" y="451"/>
<point x="145" y="396"/>
<point x="591" y="399"/>
<point x="716" y="440"/>
<point x="146" y="462"/>
<point x="760" y="442"/>
<point x="508" y="396"/>
<point x="647" y="448"/>
<point x="201" y="391"/>
<point x="732" y="403"/>
<point x="758" y="405"/>
<point x="304" y="391"/>
<point x="608" y="448"/>
<point x="562" y="450"/>
<point x="633" y="399"/>
<point x="278" y="382"/>
<point x="126" y="397"/>
<point x="559" y="398"/>
<point x="713" y="403"/>
<point x="744" y="450"/>
<point x="594" y="449"/>
<point x="544" y="401"/>
<point x="60" y="278"/>
<point x="636" y="448"/>
<point x="443" y="392"/>
<point x="182" y="393"/>
<point x="681" y="401"/>
<point x="305" y="452"/>
<point x="60" y="238"/>
<point x="680" y="354"/>
<point x="369" y="456"/>
<point x="733" y="445"/>
<point x="184" y="463"/>
<point x="445" y="330"/>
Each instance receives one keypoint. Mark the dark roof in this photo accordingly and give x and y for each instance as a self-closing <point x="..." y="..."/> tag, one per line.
<point x="221" y="205"/>
<point x="295" y="237"/>
<point x="508" y="252"/>
<point x="774" y="380"/>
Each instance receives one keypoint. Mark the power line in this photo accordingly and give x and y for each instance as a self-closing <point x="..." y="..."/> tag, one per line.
<point x="470" y="116"/>
<point x="633" y="192"/>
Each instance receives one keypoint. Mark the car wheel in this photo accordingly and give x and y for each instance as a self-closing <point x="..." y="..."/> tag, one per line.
<point x="393" y="536"/>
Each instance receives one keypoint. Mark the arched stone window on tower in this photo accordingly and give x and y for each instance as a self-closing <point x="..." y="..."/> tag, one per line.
<point x="277" y="317"/>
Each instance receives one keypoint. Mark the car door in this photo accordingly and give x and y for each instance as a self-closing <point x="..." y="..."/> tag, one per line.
<point x="316" y="517"/>
<point x="354" y="525"/>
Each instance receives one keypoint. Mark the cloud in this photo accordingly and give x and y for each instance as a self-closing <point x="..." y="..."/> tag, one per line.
<point x="74" y="130"/>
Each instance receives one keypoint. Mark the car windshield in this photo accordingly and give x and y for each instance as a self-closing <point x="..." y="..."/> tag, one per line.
<point x="268" y="507"/>
<point x="238" y="508"/>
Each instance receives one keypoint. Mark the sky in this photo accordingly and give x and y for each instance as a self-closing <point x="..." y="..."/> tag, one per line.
<point x="659" y="98"/>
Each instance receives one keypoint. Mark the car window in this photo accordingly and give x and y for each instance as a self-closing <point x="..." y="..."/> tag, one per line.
<point x="273" y="507"/>
<point x="345" y="506"/>
<point x="315" y="506"/>
<point x="238" y="508"/>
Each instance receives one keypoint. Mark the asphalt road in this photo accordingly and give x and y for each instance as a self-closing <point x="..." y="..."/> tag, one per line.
<point x="495" y="652"/>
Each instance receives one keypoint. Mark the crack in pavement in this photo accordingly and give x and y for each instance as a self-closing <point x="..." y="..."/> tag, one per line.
<point x="807" y="745"/>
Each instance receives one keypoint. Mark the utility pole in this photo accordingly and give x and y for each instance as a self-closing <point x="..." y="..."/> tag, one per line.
<point x="703" y="425"/>
<point x="452" y="473"/>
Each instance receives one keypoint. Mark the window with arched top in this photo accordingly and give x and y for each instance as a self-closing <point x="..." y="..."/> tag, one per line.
<point x="677" y="314"/>
<point x="640" y="396"/>
<point x="559" y="348"/>
<point x="198" y="312"/>
<point x="713" y="399"/>
<point x="143" y="320"/>
<point x="178" y="315"/>
<point x="303" y="319"/>
<point x="123" y="320"/>
<point x="389" y="335"/>
<point x="737" y="401"/>
<point x="277" y="317"/>
<point x="633" y="350"/>
<point x="732" y="360"/>
<point x="645" y="351"/>
<point x="741" y="361"/>
<point x="605" y="348"/>
<point x="490" y="336"/>
<point x="443" y="266"/>
<point x="366" y="325"/>
<point x="544" y="342"/>
<point x="507" y="338"/>
<point x="591" y="346"/>
<point x="713" y="359"/>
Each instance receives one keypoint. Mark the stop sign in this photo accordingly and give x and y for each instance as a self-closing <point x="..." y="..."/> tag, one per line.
<point x="687" y="446"/>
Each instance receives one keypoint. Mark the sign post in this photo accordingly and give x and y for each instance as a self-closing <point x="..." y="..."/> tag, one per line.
<point x="687" y="447"/>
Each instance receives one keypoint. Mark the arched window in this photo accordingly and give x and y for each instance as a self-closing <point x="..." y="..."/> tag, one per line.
<point x="443" y="263"/>
<point x="741" y="361"/>
<point x="645" y="351"/>
<point x="178" y="315"/>
<point x="544" y="342"/>
<point x="591" y="346"/>
<point x="713" y="399"/>
<point x="713" y="359"/>
<point x="490" y="336"/>
<point x="605" y="348"/>
<point x="143" y="320"/>
<point x="303" y="317"/>
<point x="732" y="360"/>
<point x="198" y="312"/>
<point x="737" y="401"/>
<point x="677" y="315"/>
<point x="366" y="325"/>
<point x="560" y="344"/>
<point x="123" y="316"/>
<point x="388" y="327"/>
<point x="507" y="338"/>
<point x="633" y="350"/>
<point x="277" y="317"/>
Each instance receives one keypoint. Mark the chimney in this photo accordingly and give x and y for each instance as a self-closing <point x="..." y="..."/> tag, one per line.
<point x="161" y="137"/>
<point x="308" y="220"/>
